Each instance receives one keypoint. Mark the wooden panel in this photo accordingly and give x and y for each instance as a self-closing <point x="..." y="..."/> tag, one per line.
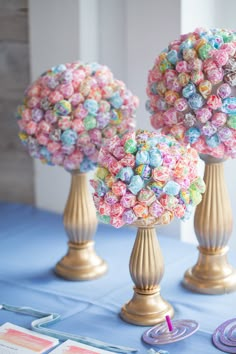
<point x="16" y="177"/>
<point x="16" y="166"/>
<point x="13" y="4"/>
<point x="16" y="172"/>
<point x="14" y="69"/>
<point x="13" y="24"/>
<point x="8" y="126"/>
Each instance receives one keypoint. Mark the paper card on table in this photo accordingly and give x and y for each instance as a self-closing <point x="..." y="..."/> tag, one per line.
<point x="16" y="339"/>
<point x="72" y="347"/>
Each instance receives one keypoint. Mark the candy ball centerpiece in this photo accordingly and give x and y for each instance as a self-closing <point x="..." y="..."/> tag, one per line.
<point x="66" y="116"/>
<point x="192" y="96"/>
<point x="145" y="179"/>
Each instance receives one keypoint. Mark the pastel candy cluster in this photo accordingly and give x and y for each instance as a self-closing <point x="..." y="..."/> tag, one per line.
<point x="71" y="110"/>
<point x="192" y="94"/>
<point x="143" y="176"/>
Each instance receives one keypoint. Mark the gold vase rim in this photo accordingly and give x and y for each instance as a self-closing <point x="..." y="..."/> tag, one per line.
<point x="80" y="245"/>
<point x="155" y="290"/>
<point x="151" y="222"/>
<point x="213" y="251"/>
<point x="208" y="159"/>
<point x="77" y="172"/>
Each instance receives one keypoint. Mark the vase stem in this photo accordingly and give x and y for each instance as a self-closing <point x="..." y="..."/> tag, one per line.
<point x="213" y="223"/>
<point x="147" y="307"/>
<point x="80" y="219"/>
<point x="80" y="222"/>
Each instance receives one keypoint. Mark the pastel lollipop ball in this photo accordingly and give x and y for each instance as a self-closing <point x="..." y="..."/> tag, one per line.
<point x="71" y="110"/>
<point x="194" y="78"/>
<point x="160" y="182"/>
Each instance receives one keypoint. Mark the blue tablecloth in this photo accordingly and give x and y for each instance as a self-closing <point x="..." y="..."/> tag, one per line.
<point x="32" y="241"/>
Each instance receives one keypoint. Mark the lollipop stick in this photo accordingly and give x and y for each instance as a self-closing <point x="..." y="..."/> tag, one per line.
<point x="169" y="323"/>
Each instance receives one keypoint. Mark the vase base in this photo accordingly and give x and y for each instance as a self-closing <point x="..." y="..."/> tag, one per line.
<point x="209" y="285"/>
<point x="81" y="263"/>
<point x="146" y="309"/>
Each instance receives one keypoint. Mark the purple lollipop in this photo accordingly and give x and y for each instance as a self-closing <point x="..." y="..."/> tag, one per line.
<point x="224" y="337"/>
<point x="172" y="332"/>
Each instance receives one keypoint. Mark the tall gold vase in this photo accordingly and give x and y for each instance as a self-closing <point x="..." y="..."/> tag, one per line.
<point x="146" y="266"/>
<point x="213" y="223"/>
<point x="81" y="261"/>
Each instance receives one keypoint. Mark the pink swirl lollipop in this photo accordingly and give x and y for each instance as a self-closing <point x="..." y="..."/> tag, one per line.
<point x="224" y="337"/>
<point x="170" y="332"/>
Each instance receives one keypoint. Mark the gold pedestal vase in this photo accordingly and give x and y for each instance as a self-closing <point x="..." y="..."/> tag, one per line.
<point x="146" y="266"/>
<point x="213" y="222"/>
<point x="81" y="261"/>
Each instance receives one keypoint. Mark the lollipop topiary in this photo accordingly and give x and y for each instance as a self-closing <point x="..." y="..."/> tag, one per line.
<point x="191" y="91"/>
<point x="145" y="179"/>
<point x="192" y="96"/>
<point x="144" y="176"/>
<point x="70" y="110"/>
<point x="66" y="116"/>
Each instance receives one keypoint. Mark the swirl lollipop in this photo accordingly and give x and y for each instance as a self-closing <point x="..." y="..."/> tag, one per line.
<point x="145" y="179"/>
<point x="224" y="337"/>
<point x="66" y="116"/>
<point x="174" y="331"/>
<point x="192" y="96"/>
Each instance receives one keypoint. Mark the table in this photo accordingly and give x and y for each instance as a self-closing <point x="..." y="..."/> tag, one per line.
<point x="33" y="240"/>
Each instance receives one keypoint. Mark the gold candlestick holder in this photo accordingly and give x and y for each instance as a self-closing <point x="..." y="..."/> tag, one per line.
<point x="147" y="307"/>
<point x="80" y="221"/>
<point x="213" y="223"/>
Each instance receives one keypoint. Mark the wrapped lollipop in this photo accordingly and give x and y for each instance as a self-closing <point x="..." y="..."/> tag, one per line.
<point x="145" y="179"/>
<point x="66" y="116"/>
<point x="70" y="110"/>
<point x="192" y="96"/>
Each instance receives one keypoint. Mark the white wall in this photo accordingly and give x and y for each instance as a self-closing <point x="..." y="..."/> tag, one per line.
<point x="59" y="32"/>
<point x="211" y="14"/>
<point x="126" y="35"/>
<point x="131" y="36"/>
<point x="117" y="33"/>
<point x="225" y="18"/>
<point x="201" y="13"/>
<point x="147" y="33"/>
